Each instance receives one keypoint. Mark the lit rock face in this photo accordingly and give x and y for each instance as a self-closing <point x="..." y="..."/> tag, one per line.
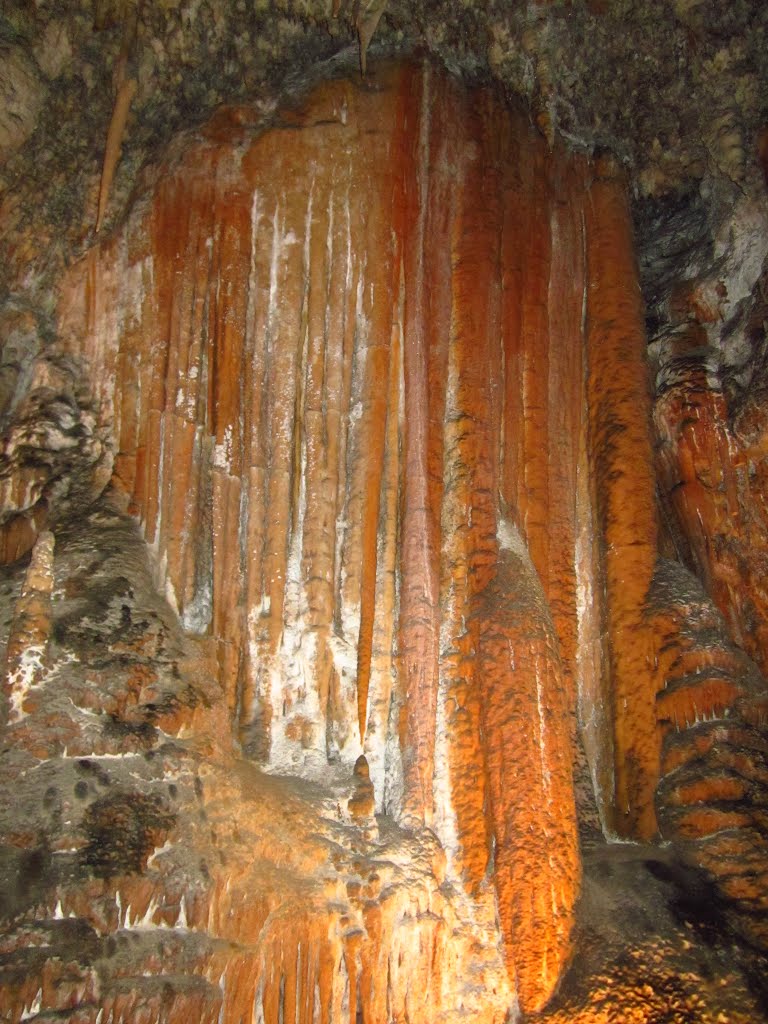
<point x="712" y="796"/>
<point x="148" y="874"/>
<point x="712" y="471"/>
<point x="710" y="418"/>
<point x="371" y="376"/>
<point x="332" y="355"/>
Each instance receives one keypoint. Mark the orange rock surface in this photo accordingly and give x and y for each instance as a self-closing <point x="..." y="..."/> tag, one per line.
<point x="620" y="446"/>
<point x="375" y="380"/>
<point x="712" y="797"/>
<point x="711" y="468"/>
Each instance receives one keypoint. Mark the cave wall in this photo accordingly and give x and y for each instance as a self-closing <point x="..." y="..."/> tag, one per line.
<point x="319" y="363"/>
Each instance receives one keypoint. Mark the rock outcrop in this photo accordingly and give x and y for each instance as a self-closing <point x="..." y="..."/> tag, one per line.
<point x="310" y="418"/>
<point x="710" y="421"/>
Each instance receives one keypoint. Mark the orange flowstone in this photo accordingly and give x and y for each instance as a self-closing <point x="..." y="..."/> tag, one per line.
<point x="732" y="741"/>
<point x="470" y="550"/>
<point x="685" y="705"/>
<point x="712" y="479"/>
<point x="532" y="814"/>
<point x="346" y="366"/>
<point x="419" y="623"/>
<point x="711" y="797"/>
<point x="723" y="787"/>
<point x="621" y="454"/>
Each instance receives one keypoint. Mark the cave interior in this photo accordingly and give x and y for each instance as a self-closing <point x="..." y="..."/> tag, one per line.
<point x="383" y="511"/>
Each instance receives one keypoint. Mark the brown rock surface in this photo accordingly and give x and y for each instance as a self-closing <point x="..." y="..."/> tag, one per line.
<point x="653" y="947"/>
<point x="331" y="349"/>
<point x="712" y="798"/>
<point x="22" y="94"/>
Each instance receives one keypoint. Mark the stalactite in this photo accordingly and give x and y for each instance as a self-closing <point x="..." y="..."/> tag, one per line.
<point x="419" y="560"/>
<point x="710" y="480"/>
<point x="532" y="816"/>
<point x="126" y="90"/>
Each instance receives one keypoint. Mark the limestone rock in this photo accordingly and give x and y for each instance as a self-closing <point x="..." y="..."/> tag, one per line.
<point x="53" y="457"/>
<point x="27" y="649"/>
<point x="147" y="870"/>
<point x="712" y="794"/>
<point x="712" y="483"/>
<point x="54" y="50"/>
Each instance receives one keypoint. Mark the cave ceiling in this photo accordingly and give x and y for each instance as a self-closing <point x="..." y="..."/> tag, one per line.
<point x="677" y="90"/>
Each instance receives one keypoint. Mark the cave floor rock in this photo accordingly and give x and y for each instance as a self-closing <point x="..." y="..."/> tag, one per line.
<point x="141" y="856"/>
<point x="652" y="946"/>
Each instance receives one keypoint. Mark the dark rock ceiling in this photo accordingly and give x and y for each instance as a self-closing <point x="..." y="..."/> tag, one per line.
<point x="678" y="89"/>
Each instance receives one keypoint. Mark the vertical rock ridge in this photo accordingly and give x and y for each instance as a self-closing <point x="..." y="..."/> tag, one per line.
<point x="468" y="512"/>
<point x="536" y="868"/>
<point x="418" y="638"/>
<point x="621" y="454"/>
<point x="710" y="473"/>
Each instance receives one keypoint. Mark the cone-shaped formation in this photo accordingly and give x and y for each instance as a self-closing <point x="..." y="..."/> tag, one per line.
<point x="375" y="380"/>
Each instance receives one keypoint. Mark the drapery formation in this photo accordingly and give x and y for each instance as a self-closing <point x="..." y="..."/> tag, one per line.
<point x="375" y="379"/>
